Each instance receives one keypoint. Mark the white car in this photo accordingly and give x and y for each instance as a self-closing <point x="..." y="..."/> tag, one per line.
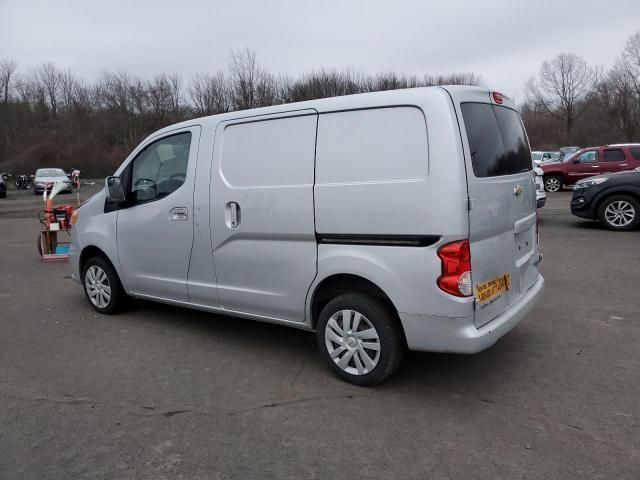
<point x="46" y="178"/>
<point x="541" y="194"/>
<point x="540" y="157"/>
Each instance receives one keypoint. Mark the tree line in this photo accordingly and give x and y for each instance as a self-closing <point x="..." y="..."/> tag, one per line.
<point x="49" y="116"/>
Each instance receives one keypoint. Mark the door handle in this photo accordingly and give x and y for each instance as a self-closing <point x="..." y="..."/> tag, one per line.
<point x="623" y="164"/>
<point x="595" y="166"/>
<point x="179" y="214"/>
<point x="232" y="215"/>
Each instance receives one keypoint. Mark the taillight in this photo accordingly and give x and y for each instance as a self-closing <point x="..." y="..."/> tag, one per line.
<point x="456" y="268"/>
<point x="497" y="97"/>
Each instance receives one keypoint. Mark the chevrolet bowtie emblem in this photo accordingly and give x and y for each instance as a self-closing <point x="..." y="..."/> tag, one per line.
<point x="517" y="190"/>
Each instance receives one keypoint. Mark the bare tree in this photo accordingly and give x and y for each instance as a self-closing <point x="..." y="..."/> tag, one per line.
<point x="563" y="86"/>
<point x="209" y="93"/>
<point x="48" y="84"/>
<point x="629" y="61"/>
<point x="7" y="69"/>
<point x="251" y="85"/>
<point x="622" y="103"/>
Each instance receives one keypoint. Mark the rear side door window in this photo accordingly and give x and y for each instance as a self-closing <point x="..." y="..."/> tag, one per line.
<point x="497" y="140"/>
<point x="635" y="153"/>
<point x="613" y="155"/>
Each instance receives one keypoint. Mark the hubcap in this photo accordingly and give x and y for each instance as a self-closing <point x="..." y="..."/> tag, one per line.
<point x="352" y="342"/>
<point x="552" y="184"/>
<point x="619" y="213"/>
<point x="98" y="288"/>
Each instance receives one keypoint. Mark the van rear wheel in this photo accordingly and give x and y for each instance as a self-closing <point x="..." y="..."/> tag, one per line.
<point x="360" y="337"/>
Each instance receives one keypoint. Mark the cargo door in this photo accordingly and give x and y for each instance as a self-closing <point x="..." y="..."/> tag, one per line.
<point x="502" y="202"/>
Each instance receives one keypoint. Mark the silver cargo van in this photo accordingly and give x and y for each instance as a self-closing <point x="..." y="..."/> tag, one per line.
<point x="383" y="221"/>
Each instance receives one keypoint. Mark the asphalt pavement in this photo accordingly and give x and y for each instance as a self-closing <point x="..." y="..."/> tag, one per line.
<point x="166" y="393"/>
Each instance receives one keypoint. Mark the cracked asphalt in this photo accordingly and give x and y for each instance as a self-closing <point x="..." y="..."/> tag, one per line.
<point x="166" y="393"/>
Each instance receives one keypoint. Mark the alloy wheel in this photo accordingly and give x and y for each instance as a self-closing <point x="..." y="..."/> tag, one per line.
<point x="552" y="184"/>
<point x="352" y="342"/>
<point x="620" y="213"/>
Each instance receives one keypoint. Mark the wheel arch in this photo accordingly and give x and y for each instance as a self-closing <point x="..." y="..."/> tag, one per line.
<point x="610" y="192"/>
<point x="338" y="283"/>
<point x="91" y="251"/>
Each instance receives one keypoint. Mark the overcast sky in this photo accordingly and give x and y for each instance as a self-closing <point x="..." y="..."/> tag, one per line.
<point x="504" y="41"/>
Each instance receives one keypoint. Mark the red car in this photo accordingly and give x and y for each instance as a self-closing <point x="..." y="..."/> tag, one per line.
<point x="589" y="162"/>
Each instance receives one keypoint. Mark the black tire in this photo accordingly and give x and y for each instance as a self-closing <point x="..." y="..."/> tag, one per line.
<point x="3" y="194"/>
<point x="118" y="298"/>
<point x="387" y="326"/>
<point x="553" y="183"/>
<point x="633" y="208"/>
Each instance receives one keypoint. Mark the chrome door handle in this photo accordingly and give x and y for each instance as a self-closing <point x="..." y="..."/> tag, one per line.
<point x="179" y="214"/>
<point x="594" y="166"/>
<point x="624" y="164"/>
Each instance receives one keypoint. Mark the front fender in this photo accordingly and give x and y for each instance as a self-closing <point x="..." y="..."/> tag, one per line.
<point x="95" y="228"/>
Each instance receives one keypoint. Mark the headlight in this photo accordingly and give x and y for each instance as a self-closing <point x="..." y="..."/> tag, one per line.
<point x="591" y="182"/>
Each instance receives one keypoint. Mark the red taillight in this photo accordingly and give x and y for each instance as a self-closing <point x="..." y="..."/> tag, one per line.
<point x="456" y="268"/>
<point x="497" y="97"/>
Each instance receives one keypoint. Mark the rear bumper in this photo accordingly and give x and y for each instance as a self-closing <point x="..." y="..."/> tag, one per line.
<point x="459" y="335"/>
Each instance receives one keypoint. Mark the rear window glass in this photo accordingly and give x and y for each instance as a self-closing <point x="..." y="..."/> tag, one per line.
<point x="635" y="152"/>
<point x="497" y="140"/>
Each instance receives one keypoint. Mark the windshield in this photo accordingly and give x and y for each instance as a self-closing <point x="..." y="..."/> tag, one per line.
<point x="497" y="140"/>
<point x="536" y="155"/>
<point x="50" y="172"/>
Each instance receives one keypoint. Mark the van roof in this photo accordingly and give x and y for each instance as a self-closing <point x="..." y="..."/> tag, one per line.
<point x="333" y="104"/>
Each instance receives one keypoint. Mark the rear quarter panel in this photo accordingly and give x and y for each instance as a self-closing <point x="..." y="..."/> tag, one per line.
<point x="433" y="204"/>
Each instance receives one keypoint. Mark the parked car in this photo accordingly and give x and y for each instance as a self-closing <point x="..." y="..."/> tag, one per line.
<point x="612" y="199"/>
<point x="565" y="151"/>
<point x="539" y="157"/>
<point x="3" y="184"/>
<point x="541" y="194"/>
<point x="589" y="162"/>
<point x="338" y="215"/>
<point x="45" y="178"/>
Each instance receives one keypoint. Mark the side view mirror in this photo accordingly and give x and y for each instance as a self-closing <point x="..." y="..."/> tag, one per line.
<point x="115" y="192"/>
<point x="576" y="160"/>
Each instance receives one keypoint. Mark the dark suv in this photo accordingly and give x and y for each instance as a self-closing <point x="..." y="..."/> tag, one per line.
<point x="612" y="199"/>
<point x="589" y="162"/>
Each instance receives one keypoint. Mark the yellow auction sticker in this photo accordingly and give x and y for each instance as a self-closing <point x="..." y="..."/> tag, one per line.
<point x="487" y="291"/>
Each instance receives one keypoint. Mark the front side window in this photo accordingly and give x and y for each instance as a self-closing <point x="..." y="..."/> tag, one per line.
<point x="588" y="157"/>
<point x="613" y="155"/>
<point x="635" y="152"/>
<point x="160" y="168"/>
<point x="497" y="140"/>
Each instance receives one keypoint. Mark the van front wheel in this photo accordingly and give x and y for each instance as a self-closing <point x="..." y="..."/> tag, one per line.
<point x="102" y="286"/>
<point x="360" y="337"/>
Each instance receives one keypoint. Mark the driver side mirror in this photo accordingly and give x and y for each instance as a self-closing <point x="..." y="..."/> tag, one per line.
<point x="115" y="192"/>
<point x="576" y="160"/>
